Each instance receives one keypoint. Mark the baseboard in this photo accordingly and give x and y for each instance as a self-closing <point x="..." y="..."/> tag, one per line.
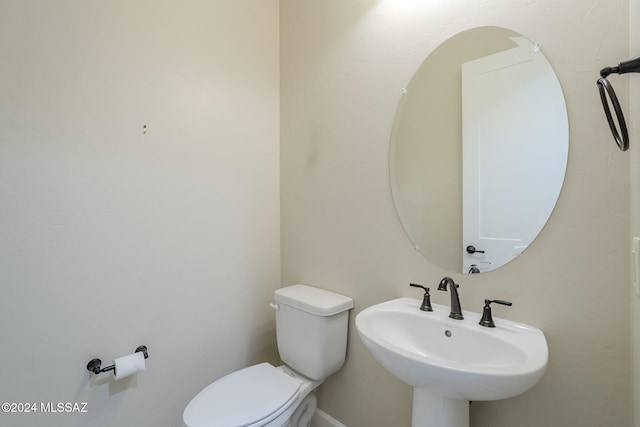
<point x="322" y="419"/>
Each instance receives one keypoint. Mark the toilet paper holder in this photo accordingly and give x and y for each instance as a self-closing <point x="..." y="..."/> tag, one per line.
<point x="94" y="365"/>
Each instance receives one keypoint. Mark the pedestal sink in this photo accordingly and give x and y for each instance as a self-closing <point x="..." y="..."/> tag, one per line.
<point x="451" y="362"/>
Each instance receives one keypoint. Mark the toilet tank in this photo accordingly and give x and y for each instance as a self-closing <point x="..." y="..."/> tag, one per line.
<point x="311" y="329"/>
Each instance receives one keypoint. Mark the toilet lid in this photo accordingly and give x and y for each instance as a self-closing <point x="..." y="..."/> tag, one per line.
<point x="242" y="398"/>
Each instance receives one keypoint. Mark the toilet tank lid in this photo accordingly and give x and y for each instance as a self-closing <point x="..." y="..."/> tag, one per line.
<point x="313" y="300"/>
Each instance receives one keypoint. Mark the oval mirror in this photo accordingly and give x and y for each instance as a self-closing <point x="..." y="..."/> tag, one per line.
<point x="479" y="150"/>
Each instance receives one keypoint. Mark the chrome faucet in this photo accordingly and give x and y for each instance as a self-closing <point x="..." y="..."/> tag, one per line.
<point x="456" y="310"/>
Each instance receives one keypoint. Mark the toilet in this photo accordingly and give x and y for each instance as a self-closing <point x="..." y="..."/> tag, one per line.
<point x="311" y="331"/>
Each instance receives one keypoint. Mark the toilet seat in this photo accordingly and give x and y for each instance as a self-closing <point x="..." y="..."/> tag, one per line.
<point x="249" y="397"/>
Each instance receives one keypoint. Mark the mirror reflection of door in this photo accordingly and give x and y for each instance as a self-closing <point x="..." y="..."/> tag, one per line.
<point x="511" y="158"/>
<point x="426" y="150"/>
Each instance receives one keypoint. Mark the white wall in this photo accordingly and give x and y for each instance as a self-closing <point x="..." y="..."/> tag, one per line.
<point x="343" y="66"/>
<point x="111" y="238"/>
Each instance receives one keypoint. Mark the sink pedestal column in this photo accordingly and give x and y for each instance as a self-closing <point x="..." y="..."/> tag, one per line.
<point x="432" y="410"/>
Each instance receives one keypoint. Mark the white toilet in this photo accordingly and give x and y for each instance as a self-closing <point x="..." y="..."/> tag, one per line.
<point x="311" y="329"/>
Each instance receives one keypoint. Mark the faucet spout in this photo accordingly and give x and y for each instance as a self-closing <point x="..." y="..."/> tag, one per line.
<point x="456" y="309"/>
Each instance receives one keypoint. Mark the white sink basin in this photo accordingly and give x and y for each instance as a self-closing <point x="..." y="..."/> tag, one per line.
<point x="454" y="359"/>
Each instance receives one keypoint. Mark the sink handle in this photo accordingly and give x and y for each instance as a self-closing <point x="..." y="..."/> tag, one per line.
<point x="487" y="318"/>
<point x="426" y="300"/>
<point x="499" y="301"/>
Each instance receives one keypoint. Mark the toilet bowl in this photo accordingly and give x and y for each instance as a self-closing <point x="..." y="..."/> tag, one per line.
<point x="260" y="395"/>
<point x="311" y="327"/>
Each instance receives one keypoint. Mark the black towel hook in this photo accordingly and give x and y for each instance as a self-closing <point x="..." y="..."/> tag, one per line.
<point x="608" y="97"/>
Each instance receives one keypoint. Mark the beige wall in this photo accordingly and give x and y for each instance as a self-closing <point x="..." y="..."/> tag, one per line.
<point x="343" y="65"/>
<point x="111" y="238"/>
<point x="633" y="122"/>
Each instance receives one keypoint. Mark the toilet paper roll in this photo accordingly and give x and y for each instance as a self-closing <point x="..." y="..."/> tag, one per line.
<point x="128" y="365"/>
